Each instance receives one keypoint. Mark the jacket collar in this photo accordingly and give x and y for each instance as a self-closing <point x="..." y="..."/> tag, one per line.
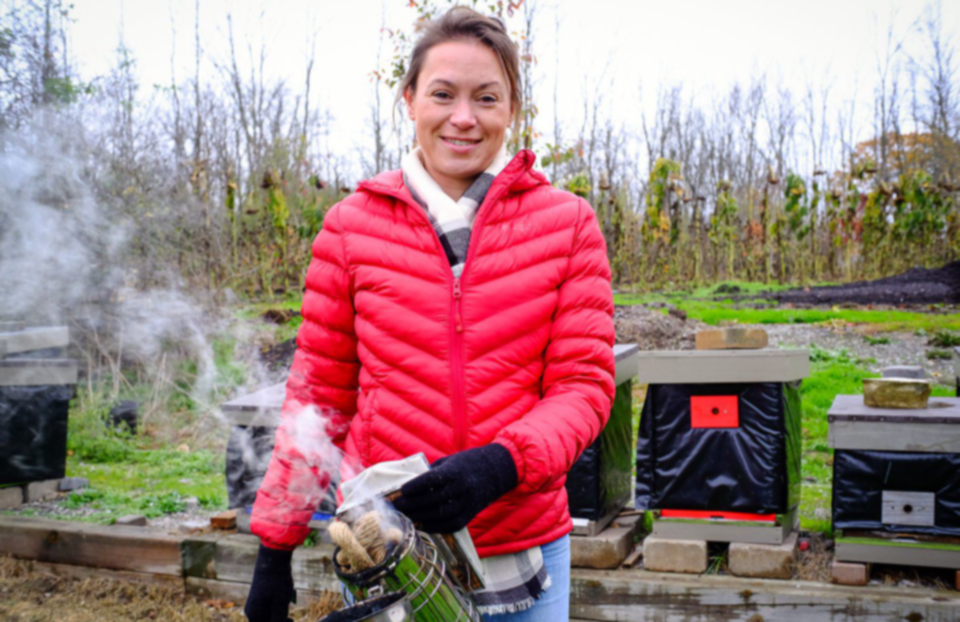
<point x="517" y="176"/>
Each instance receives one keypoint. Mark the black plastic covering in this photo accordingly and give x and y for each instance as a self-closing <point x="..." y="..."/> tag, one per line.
<point x="599" y="481"/>
<point x="860" y="477"/>
<point x="753" y="468"/>
<point x="248" y="456"/>
<point x="33" y="432"/>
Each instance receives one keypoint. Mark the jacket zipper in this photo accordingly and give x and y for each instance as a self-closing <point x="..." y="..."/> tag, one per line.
<point x="456" y="368"/>
<point x="456" y="319"/>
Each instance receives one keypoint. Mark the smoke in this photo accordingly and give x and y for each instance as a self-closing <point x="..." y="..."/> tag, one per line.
<point x="70" y="258"/>
<point x="56" y="246"/>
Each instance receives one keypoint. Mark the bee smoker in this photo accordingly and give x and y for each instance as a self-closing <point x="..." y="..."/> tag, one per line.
<point x="416" y="568"/>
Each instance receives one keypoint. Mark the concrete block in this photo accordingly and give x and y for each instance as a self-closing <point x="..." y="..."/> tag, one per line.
<point x="764" y="561"/>
<point x="41" y="491"/>
<point x="914" y="372"/>
<point x="73" y="483"/>
<point x="687" y="556"/>
<point x="732" y="338"/>
<point x="895" y="393"/>
<point x="848" y="573"/>
<point x="132" y="520"/>
<point x="11" y="497"/>
<point x="606" y="550"/>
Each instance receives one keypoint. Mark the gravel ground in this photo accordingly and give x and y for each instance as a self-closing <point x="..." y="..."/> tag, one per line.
<point x="905" y="348"/>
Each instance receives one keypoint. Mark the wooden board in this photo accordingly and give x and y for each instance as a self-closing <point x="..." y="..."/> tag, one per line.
<point x="136" y="549"/>
<point x="904" y="507"/>
<point x="37" y="372"/>
<point x="722" y="366"/>
<point x="898" y="552"/>
<point x="641" y="596"/>
<point x="727" y="531"/>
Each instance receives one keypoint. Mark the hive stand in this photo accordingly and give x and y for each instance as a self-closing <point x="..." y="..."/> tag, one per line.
<point x="935" y="429"/>
<point x="762" y="549"/>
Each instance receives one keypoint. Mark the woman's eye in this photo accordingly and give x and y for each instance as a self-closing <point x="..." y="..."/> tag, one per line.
<point x="442" y="95"/>
<point x="488" y="99"/>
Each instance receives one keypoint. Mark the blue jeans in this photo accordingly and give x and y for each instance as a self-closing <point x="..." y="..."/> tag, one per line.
<point x="554" y="604"/>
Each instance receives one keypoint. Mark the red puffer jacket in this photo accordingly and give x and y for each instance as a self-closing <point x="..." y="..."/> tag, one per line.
<point x="517" y="351"/>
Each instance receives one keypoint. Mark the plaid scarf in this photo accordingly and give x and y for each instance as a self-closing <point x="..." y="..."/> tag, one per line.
<point x="452" y="220"/>
<point x="513" y="582"/>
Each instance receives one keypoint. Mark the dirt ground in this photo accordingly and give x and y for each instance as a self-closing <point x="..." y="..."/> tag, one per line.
<point x="28" y="594"/>
<point x="916" y="286"/>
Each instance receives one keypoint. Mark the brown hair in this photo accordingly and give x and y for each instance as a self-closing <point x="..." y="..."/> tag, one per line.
<point x="462" y="23"/>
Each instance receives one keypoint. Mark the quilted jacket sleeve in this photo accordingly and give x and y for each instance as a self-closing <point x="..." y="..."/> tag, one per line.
<point x="321" y="398"/>
<point x="578" y="379"/>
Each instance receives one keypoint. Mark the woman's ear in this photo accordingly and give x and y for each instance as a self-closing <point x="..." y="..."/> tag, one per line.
<point x="408" y="98"/>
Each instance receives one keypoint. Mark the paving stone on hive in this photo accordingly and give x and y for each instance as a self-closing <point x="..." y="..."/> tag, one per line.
<point x="685" y="556"/>
<point x="11" y="497"/>
<point x="895" y="393"/>
<point x="41" y="491"/>
<point x="764" y="561"/>
<point x="732" y="338"/>
<point x="847" y="573"/>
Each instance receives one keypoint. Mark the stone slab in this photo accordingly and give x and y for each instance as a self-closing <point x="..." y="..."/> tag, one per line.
<point x="604" y="551"/>
<point x="847" y="573"/>
<point x="31" y="339"/>
<point x="73" y="483"/>
<point x="37" y="372"/>
<point x="683" y="556"/>
<point x="732" y="338"/>
<point x="41" y="491"/>
<point x="764" y="561"/>
<point x="901" y="393"/>
<point x="9" y="327"/>
<point x="914" y="372"/>
<point x="723" y="366"/>
<point x="11" y="497"/>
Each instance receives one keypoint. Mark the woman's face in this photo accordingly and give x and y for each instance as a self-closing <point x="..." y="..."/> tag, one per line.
<point x="461" y="110"/>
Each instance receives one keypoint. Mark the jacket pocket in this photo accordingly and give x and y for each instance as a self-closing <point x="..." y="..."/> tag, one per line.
<point x="366" y="423"/>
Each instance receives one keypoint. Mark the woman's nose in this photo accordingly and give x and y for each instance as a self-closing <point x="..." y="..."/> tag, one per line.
<point x="462" y="116"/>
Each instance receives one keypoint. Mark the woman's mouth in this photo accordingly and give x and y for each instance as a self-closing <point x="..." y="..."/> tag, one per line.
<point x="460" y="143"/>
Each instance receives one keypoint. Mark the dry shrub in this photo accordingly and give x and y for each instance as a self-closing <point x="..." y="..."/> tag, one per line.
<point x="814" y="563"/>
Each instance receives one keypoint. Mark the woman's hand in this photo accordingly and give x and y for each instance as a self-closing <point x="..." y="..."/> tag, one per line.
<point x="457" y="488"/>
<point x="272" y="588"/>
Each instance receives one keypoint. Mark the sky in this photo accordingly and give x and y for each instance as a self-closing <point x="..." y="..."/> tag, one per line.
<point x="616" y="52"/>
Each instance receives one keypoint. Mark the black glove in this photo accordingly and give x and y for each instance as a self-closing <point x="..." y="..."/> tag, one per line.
<point x="272" y="588"/>
<point x="457" y="488"/>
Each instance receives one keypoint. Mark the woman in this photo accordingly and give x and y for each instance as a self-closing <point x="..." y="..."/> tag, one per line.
<point x="460" y="307"/>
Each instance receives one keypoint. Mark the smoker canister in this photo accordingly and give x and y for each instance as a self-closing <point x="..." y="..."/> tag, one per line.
<point x="416" y="568"/>
<point x="393" y="607"/>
